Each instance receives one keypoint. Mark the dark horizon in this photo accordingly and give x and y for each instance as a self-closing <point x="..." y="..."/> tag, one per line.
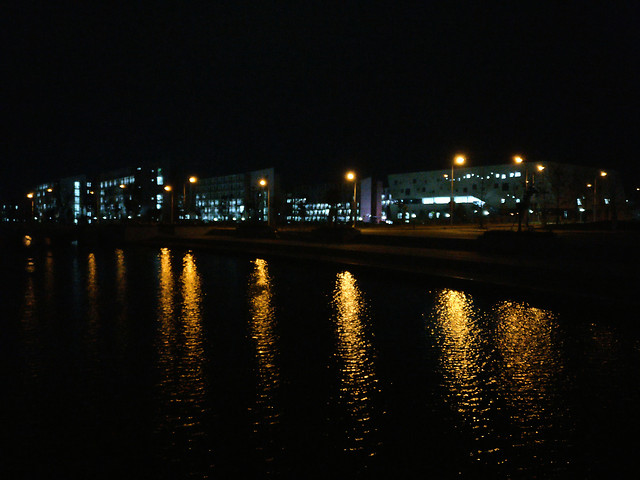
<point x="313" y="91"/>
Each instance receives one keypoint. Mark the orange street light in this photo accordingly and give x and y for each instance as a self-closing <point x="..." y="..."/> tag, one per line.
<point x="30" y="197"/>
<point x="595" y="187"/>
<point x="264" y="184"/>
<point x="458" y="160"/>
<point x="167" y="188"/>
<point x="351" y="176"/>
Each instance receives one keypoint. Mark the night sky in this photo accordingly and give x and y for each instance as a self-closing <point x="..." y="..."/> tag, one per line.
<point x="226" y="86"/>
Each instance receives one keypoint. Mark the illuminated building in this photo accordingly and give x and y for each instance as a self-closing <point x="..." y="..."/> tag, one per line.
<point x="236" y="197"/>
<point x="555" y="192"/>
<point x="131" y="193"/>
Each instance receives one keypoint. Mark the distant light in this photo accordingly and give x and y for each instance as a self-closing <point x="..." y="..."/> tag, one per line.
<point x="193" y="179"/>
<point x="167" y="188"/>
<point x="122" y="185"/>
<point x="351" y="176"/>
<point x="518" y="159"/>
<point x="540" y="168"/>
<point x="603" y="174"/>
<point x="460" y="159"/>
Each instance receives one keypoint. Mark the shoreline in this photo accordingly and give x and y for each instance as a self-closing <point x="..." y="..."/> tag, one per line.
<point x="580" y="268"/>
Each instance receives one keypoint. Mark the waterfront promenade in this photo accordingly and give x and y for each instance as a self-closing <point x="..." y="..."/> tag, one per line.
<point x="597" y="265"/>
<point x="573" y="261"/>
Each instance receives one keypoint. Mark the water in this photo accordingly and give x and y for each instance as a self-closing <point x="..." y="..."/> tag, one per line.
<point x="168" y="363"/>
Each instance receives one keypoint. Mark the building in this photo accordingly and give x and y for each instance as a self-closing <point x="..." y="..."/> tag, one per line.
<point x="554" y="192"/>
<point x="131" y="193"/>
<point x="231" y="198"/>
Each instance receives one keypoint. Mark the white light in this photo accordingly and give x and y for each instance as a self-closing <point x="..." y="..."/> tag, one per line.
<point x="447" y="215"/>
<point x="485" y="212"/>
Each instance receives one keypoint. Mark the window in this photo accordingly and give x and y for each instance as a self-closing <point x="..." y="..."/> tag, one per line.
<point x="474" y="187"/>
<point x="505" y="187"/>
<point x="407" y="191"/>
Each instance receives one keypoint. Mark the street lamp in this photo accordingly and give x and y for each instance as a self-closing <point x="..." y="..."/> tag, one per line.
<point x="351" y="176"/>
<point x="191" y="179"/>
<point x="595" y="183"/>
<point x="524" y="206"/>
<point x="458" y="160"/>
<point x="264" y="184"/>
<point x="167" y="188"/>
<point x="30" y="197"/>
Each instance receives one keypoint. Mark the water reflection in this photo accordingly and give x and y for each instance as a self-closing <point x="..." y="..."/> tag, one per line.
<point x="464" y="367"/>
<point x="92" y="287"/>
<point x="181" y="357"/>
<point x="121" y="280"/>
<point x="527" y="341"/>
<point x="29" y="322"/>
<point x="501" y="369"/>
<point x="355" y="355"/>
<point x="265" y="340"/>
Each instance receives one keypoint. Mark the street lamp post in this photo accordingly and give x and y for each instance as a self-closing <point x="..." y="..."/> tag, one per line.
<point x="184" y="193"/>
<point x="264" y="184"/>
<point x="540" y="169"/>
<point x="595" y="202"/>
<point x="523" y="207"/>
<point x="30" y="197"/>
<point x="458" y="160"/>
<point x="351" y="176"/>
<point x="168" y="188"/>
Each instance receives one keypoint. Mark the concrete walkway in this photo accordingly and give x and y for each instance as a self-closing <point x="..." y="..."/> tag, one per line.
<point x="592" y="278"/>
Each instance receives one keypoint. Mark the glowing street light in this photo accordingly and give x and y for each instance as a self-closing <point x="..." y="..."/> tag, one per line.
<point x="524" y="205"/>
<point x="458" y="160"/>
<point x="595" y="184"/>
<point x="167" y="188"/>
<point x="191" y="180"/>
<point x="351" y="176"/>
<point x="30" y="197"/>
<point x="264" y="184"/>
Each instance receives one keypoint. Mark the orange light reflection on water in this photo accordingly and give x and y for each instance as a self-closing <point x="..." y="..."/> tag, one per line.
<point x="355" y="356"/>
<point x="262" y="323"/>
<point x="181" y="353"/>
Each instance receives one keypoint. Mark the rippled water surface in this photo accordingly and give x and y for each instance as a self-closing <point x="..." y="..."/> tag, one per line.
<point x="142" y="363"/>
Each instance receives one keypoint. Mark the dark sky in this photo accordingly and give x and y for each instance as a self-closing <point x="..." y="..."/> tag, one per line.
<point x="226" y="86"/>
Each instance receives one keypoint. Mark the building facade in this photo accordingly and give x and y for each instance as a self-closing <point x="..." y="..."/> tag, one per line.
<point x="232" y="198"/>
<point x="551" y="192"/>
